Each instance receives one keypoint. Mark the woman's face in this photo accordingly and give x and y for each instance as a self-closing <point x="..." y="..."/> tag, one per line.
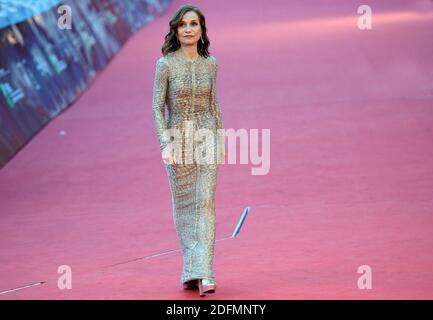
<point x="189" y="29"/>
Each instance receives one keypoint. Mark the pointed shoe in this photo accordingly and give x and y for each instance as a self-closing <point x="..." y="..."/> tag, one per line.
<point x="206" y="287"/>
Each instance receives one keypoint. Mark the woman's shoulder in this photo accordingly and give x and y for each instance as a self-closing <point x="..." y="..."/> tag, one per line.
<point x="161" y="65"/>
<point x="166" y="60"/>
<point x="162" y="60"/>
<point x="212" y="59"/>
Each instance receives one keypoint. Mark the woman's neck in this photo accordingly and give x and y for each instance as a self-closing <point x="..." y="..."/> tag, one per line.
<point x="189" y="53"/>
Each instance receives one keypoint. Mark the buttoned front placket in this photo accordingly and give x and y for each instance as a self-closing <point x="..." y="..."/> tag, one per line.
<point x="189" y="134"/>
<point x="193" y="85"/>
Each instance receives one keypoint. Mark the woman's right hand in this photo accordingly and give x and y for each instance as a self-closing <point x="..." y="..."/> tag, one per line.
<point x="168" y="156"/>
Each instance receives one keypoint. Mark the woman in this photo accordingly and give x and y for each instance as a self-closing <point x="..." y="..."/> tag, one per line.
<point x="185" y="81"/>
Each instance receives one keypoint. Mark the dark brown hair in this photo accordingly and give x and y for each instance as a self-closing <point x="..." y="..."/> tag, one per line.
<point x="171" y="43"/>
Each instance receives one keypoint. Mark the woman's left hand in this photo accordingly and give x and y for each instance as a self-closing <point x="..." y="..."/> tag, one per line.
<point x="222" y="156"/>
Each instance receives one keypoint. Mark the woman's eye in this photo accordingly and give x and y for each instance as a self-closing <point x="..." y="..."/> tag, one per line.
<point x="194" y="24"/>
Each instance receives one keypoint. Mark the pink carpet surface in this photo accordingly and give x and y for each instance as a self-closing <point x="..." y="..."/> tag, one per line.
<point x="351" y="165"/>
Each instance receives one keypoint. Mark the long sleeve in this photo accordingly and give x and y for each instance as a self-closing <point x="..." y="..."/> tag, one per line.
<point x="160" y="88"/>
<point x="214" y="105"/>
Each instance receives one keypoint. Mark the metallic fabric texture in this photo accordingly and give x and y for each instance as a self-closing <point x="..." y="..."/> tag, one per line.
<point x="187" y="89"/>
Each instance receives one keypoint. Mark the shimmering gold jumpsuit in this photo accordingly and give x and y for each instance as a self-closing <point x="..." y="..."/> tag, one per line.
<point x="188" y="88"/>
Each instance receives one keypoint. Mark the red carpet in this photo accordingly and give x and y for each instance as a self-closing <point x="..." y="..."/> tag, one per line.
<point x="350" y="184"/>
